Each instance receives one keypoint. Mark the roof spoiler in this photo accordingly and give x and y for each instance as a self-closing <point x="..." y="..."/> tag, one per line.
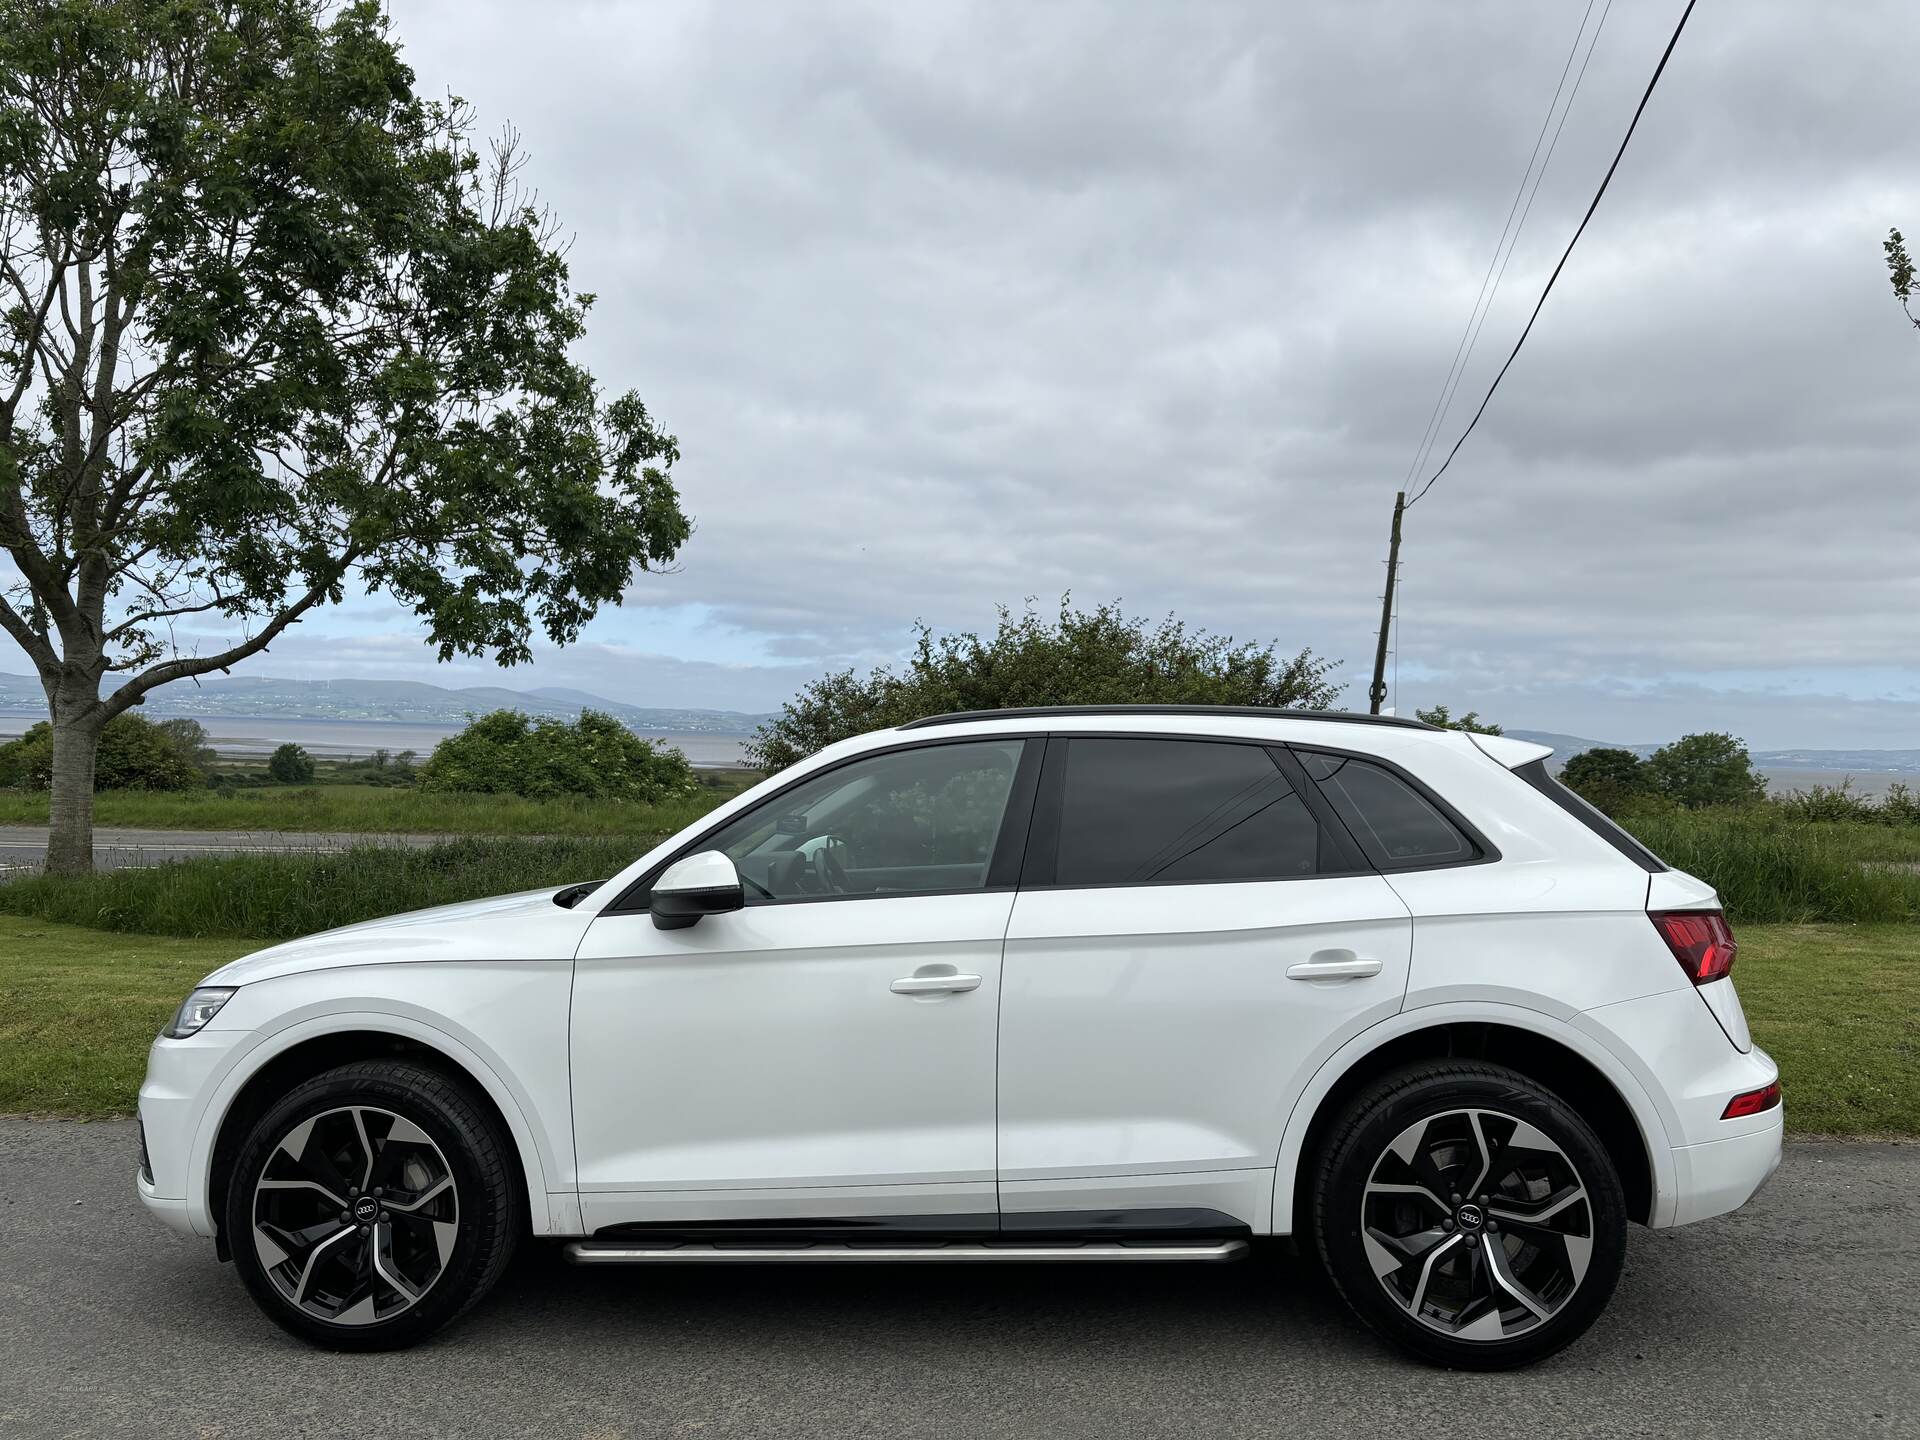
<point x="1510" y="753"/>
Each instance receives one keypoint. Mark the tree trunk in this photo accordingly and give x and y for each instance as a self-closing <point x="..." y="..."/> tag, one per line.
<point x="76" y="744"/>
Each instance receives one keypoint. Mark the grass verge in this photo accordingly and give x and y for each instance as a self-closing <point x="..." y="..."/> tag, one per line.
<point x="380" y="810"/>
<point x="1772" y="871"/>
<point x="1837" y="1006"/>
<point x="276" y="897"/>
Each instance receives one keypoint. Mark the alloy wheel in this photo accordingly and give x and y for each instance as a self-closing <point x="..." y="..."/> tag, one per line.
<point x="355" y="1215"/>
<point x="1477" y="1224"/>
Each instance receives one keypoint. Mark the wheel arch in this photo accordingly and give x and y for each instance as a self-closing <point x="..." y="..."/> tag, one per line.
<point x="252" y="1089"/>
<point x="1555" y="1055"/>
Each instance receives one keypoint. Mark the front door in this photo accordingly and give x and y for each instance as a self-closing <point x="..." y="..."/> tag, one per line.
<point x="828" y="1051"/>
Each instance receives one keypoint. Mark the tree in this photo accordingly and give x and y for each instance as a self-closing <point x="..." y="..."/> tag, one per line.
<point x="270" y="326"/>
<point x="509" y="753"/>
<point x="192" y="739"/>
<point x="1607" y="778"/>
<point x="1708" y="769"/>
<point x="290" y="764"/>
<point x="1085" y="657"/>
<point x="1440" y="716"/>
<point x="1900" y="268"/>
<point x="133" y="754"/>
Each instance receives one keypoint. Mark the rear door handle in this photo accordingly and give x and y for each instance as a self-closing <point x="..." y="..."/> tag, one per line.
<point x="947" y="984"/>
<point x="1333" y="965"/>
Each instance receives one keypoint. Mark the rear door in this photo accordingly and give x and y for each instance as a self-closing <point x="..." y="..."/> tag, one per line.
<point x="1195" y="933"/>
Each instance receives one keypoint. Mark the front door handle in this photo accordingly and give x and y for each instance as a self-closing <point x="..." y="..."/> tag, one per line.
<point x="1333" y="965"/>
<point x="935" y="980"/>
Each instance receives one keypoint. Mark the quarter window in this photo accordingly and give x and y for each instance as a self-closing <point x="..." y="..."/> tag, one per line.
<point x="1397" y="825"/>
<point x="907" y="822"/>
<point x="1152" y="811"/>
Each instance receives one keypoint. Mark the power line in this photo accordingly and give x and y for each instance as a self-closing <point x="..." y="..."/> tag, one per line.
<point x="1553" y="145"/>
<point x="1437" y="416"/>
<point x="1607" y="180"/>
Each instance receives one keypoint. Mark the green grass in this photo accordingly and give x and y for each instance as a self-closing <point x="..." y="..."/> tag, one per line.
<point x="1770" y="870"/>
<point x="276" y="897"/>
<point x="78" y="1010"/>
<point x="1837" y="1006"/>
<point x="378" y="810"/>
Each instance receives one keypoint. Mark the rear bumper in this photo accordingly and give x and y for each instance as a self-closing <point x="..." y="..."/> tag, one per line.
<point x="1723" y="1175"/>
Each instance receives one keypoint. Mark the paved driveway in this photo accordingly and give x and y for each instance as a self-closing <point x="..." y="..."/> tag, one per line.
<point x="1800" y="1316"/>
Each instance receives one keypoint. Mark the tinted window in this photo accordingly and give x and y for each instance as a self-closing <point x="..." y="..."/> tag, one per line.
<point x="1145" y="811"/>
<point x="902" y="823"/>
<point x="1395" y="823"/>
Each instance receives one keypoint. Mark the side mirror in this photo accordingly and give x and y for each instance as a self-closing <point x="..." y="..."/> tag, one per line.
<point x="703" y="884"/>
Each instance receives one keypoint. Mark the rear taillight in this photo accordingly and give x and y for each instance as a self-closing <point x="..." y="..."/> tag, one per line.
<point x="1700" y="941"/>
<point x="1753" y="1102"/>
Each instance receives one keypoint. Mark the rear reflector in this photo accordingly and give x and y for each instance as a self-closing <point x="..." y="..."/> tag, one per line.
<point x="1752" y="1103"/>
<point x="1700" y="941"/>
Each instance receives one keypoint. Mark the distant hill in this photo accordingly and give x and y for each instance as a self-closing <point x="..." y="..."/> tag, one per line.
<point x="1565" y="747"/>
<point x="400" y="700"/>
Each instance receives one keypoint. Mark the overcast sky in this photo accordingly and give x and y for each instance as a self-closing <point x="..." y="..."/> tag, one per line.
<point x="957" y="304"/>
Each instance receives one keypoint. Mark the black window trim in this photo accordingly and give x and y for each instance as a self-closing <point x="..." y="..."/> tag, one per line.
<point x="1534" y="772"/>
<point x="1043" y="843"/>
<point x="1485" y="851"/>
<point x="1003" y="868"/>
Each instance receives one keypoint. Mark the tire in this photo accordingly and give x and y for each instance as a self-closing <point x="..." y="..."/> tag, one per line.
<point x="316" y="1231"/>
<point x="1479" y="1279"/>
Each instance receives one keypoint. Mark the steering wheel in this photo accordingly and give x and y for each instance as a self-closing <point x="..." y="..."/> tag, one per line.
<point x="829" y="873"/>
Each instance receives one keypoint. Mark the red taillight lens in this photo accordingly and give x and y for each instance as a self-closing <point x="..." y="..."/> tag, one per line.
<point x="1700" y="941"/>
<point x="1752" y="1103"/>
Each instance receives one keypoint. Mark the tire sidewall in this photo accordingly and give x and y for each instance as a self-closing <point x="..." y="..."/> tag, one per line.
<point x="1374" y="1122"/>
<point x="488" y="1211"/>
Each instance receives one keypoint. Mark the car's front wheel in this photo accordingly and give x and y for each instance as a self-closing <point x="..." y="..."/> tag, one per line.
<point x="373" y="1205"/>
<point x="1469" y="1214"/>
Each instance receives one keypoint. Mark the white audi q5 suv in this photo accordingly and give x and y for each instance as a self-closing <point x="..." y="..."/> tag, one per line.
<point x="1136" y="984"/>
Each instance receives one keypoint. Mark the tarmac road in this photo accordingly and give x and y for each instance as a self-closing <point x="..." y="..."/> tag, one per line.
<point x="1798" y="1316"/>
<point x="23" y="847"/>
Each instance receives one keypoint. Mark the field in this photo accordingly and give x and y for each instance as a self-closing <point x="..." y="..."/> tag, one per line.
<point x="381" y="810"/>
<point x="1837" y="1006"/>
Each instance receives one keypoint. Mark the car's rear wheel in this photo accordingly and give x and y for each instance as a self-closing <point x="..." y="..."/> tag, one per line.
<point x="1469" y="1214"/>
<point x="373" y="1205"/>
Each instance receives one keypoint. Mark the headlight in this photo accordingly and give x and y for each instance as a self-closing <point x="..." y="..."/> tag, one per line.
<point x="196" y="1010"/>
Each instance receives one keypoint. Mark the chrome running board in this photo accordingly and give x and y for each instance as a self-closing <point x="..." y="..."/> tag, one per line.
<point x="615" y="1252"/>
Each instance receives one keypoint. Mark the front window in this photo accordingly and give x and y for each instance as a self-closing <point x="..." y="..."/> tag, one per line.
<point x="909" y="822"/>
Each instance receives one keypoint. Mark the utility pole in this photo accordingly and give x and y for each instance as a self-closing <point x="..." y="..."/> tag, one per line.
<point x="1377" y="694"/>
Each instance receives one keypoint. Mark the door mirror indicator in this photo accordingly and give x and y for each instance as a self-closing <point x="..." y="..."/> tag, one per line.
<point x="703" y="884"/>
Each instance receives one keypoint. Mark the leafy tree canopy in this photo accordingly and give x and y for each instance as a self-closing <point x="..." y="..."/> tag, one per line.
<point x="270" y="325"/>
<point x="1706" y="769"/>
<point x="290" y="764"/>
<point x="508" y="753"/>
<point x="1609" y="779"/>
<point x="135" y="754"/>
<point x="1440" y="715"/>
<point x="1082" y="657"/>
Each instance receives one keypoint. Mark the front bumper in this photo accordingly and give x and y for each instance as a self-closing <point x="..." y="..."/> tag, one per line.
<point x="173" y="1102"/>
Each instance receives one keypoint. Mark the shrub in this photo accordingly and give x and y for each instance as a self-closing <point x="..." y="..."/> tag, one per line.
<point x="134" y="754"/>
<point x="290" y="764"/>
<point x="509" y="753"/>
<point x="1471" y="721"/>
<point x="1085" y="657"/>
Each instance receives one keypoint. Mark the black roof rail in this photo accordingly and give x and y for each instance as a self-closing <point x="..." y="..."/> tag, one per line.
<point x="1260" y="712"/>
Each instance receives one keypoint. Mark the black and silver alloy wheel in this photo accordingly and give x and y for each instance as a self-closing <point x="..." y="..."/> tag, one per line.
<point x="1468" y="1214"/>
<point x="373" y="1203"/>
<point x="1477" y="1223"/>
<point x="355" y="1215"/>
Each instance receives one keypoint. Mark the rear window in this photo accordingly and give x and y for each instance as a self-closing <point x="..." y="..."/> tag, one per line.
<point x="1535" y="774"/>
<point x="1396" y="825"/>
